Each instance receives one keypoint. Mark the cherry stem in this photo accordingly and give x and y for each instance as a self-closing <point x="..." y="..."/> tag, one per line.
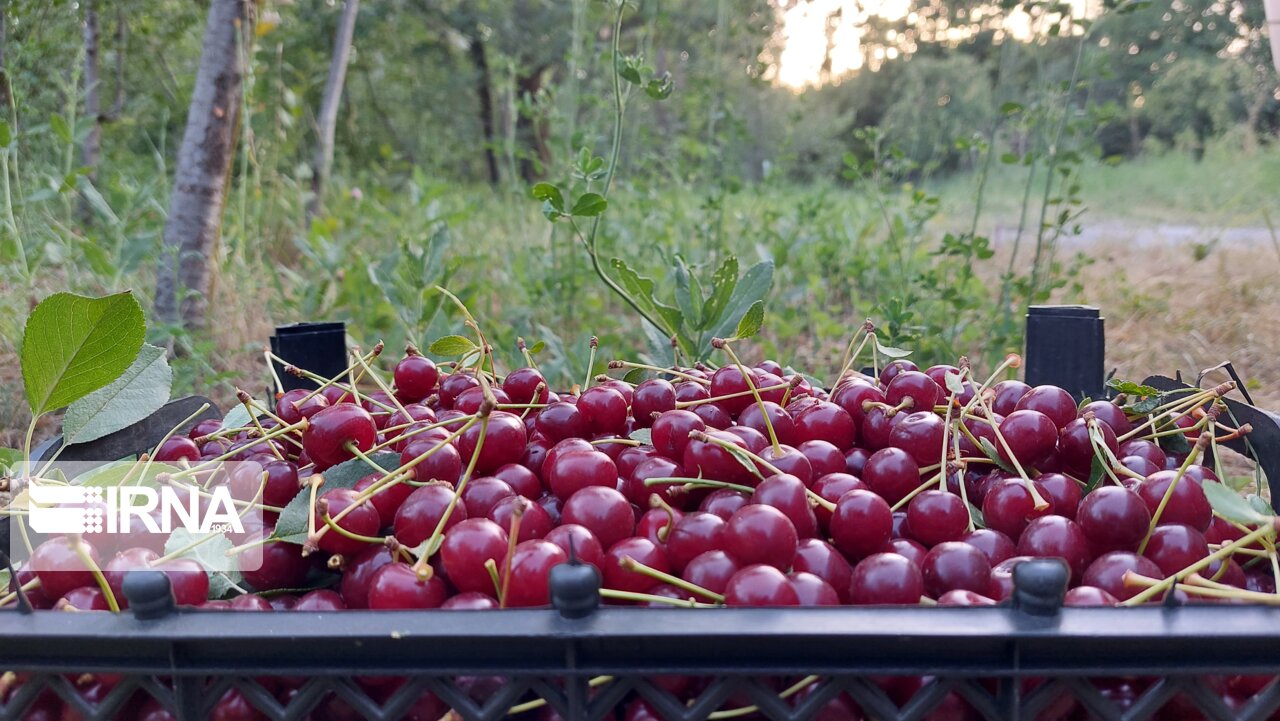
<point x="631" y="564"/>
<point x="653" y="598"/>
<point x="212" y="462"/>
<point x="1176" y="406"/>
<point x="656" y="501"/>
<point x="643" y="366"/>
<point x="316" y="481"/>
<point x="246" y="400"/>
<point x="918" y="490"/>
<point x="1168" y="493"/>
<point x="326" y="382"/>
<point x="9" y="598"/>
<point x="271" y="367"/>
<point x="1039" y="502"/>
<point x="524" y="350"/>
<point x="332" y="524"/>
<point x="1226" y="550"/>
<point x="727" y="396"/>
<point x="382" y="386"/>
<point x="1013" y="360"/>
<point x="788" y="692"/>
<point x="620" y="441"/>
<point x="851" y="355"/>
<point x="539" y="702"/>
<point x="517" y="515"/>
<point x="433" y="542"/>
<point x="733" y="448"/>
<point x="79" y="547"/>
<point x="591" y="361"/>
<point x="418" y="431"/>
<point x="492" y="568"/>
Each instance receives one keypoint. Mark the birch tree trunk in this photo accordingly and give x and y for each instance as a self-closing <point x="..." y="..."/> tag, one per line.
<point x="329" y="103"/>
<point x="199" y="187"/>
<point x="91" y="149"/>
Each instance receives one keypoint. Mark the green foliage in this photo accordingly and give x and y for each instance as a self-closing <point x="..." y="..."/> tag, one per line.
<point x="74" y="345"/>
<point x="136" y="394"/>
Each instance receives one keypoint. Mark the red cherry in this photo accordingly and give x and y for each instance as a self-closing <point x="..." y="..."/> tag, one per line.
<point x="357" y="573"/>
<point x="1187" y="504"/>
<point x="1063" y="491"/>
<point x="1089" y="596"/>
<point x="861" y="523"/>
<point x="504" y="442"/>
<point x="996" y="546"/>
<point x="1008" y="506"/>
<point x="396" y="586"/>
<point x="415" y="378"/>
<point x="465" y="550"/>
<point x="824" y="421"/>
<point x="821" y="559"/>
<point x="1113" y="518"/>
<point x="787" y="493"/>
<point x="362" y="520"/>
<point x="604" y="409"/>
<point x="603" y="511"/>
<point x="1107" y="573"/>
<point x="1057" y="537"/>
<point x="760" y="534"/>
<point x="1174" y="546"/>
<point x="1052" y="401"/>
<point x="331" y="429"/>
<point x="641" y="550"/>
<point x="421" y="512"/>
<point x="1030" y="435"/>
<point x="885" y="579"/>
<point x="954" y="565"/>
<point x="177" y="448"/>
<point x="760" y="585"/>
<point x="531" y="563"/>
<point x="920" y="388"/>
<point x="535" y="521"/>
<point x="568" y="473"/>
<point x="892" y="473"/>
<point x="526" y="385"/>
<point x="60" y="568"/>
<point x="937" y="516"/>
<point x="579" y="542"/>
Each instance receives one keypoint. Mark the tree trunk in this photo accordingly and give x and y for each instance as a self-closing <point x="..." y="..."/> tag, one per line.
<point x="4" y="69"/>
<point x="122" y="44"/>
<point x="91" y="150"/>
<point x="329" y="103"/>
<point x="532" y="129"/>
<point x="484" y="91"/>
<point x="204" y="159"/>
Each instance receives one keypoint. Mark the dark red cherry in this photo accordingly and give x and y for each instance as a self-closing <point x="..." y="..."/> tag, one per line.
<point x="1144" y="448"/>
<point x="1029" y="434"/>
<point x="526" y="385"/>
<point x="723" y="502"/>
<point x="1107" y="572"/>
<point x="823" y="421"/>
<point x="788" y="460"/>
<point x="443" y="464"/>
<point x="396" y="586"/>
<point x="481" y="494"/>
<point x="961" y="597"/>
<point x="823" y="457"/>
<point x="275" y="565"/>
<point x="1113" y="518"/>
<point x="421" y="513"/>
<point x="861" y="523"/>
<point x="787" y="493"/>
<point x="1052" y="401"/>
<point x="1008" y="506"/>
<point x="937" y="516"/>
<point x="919" y="434"/>
<point x="604" y="409"/>
<point x="784" y="427"/>
<point x="641" y="550"/>
<point x="1057" y="537"/>
<point x="695" y="533"/>
<point x="1089" y="596"/>
<point x="913" y="551"/>
<point x="729" y="380"/>
<point x="920" y="388"/>
<point x="467" y="602"/>
<point x="387" y="499"/>
<point x="711" y="461"/>
<point x="850" y="396"/>
<point x="655" y="395"/>
<point x="330" y="431"/>
<point x="954" y="565"/>
<point x="877" y="425"/>
<point x="760" y="534"/>
<point x="711" y="570"/>
<point x="567" y="473"/>
<point x="820" y="558"/>
<point x="467" y="547"/>
<point x="760" y="585"/>
<point x="188" y="579"/>
<point x="994" y="545"/>
<point x="356" y="574"/>
<point x="1006" y="395"/>
<point x="1187" y="504"/>
<point x="811" y="590"/>
<point x="177" y="448"/>
<point x="755" y="440"/>
<point x="714" y="416"/>
<point x="1174" y="547"/>
<point x="603" y="511"/>
<point x="85" y="598"/>
<point x="895" y="368"/>
<point x="1063" y="491"/>
<point x="579" y="542"/>
<point x="415" y="378"/>
<point x="531" y="564"/>
<point x="1108" y="413"/>
<point x="362" y="520"/>
<point x="892" y="473"/>
<point x="535" y="520"/>
<point x="561" y="420"/>
<point x="830" y="487"/>
<point x="504" y="442"/>
<point x="1076" y="451"/>
<point x="885" y="579"/>
<point x="60" y="568"/>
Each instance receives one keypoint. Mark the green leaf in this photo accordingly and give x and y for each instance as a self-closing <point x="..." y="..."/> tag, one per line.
<point x="1176" y="443"/>
<point x="723" y="284"/>
<point x="1131" y="388"/>
<point x="4" y="578"/>
<point x="550" y="194"/>
<point x="291" y="527"/>
<point x="660" y="88"/>
<point x="1260" y="504"/>
<point x="589" y="205"/>
<point x="537" y="348"/>
<point x="10" y="458"/>
<point x="740" y="455"/>
<point x="239" y="416"/>
<point x="224" y="570"/>
<point x="644" y="435"/>
<point x="688" y="292"/>
<point x="979" y="521"/>
<point x="1096" y="473"/>
<point x="640" y="290"/>
<point x="114" y="474"/>
<point x="890" y="351"/>
<point x="990" y="450"/>
<point x="751" y="321"/>
<point x="628" y="69"/>
<point x="60" y="128"/>
<point x="754" y="285"/>
<point x="954" y="384"/>
<point x="6" y="134"/>
<point x="142" y="390"/>
<point x="73" y="345"/>
<point x="635" y="376"/>
<point x="1231" y="505"/>
<point x="452" y="345"/>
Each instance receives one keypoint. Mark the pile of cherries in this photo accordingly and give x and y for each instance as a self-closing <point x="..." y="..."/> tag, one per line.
<point x="736" y="486"/>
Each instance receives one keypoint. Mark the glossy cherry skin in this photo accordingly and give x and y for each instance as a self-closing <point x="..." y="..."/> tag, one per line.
<point x="1107" y="573"/>
<point x="1109" y="413"/>
<point x="531" y="564"/>
<point x="786" y="460"/>
<point x="415" y="378"/>
<point x="711" y="570"/>
<point x="1174" y="547"/>
<point x="60" y="568"/>
<point x="760" y="585"/>
<point x="937" y="516"/>
<point x="604" y="409"/>
<point x="655" y="395"/>
<point x="567" y="473"/>
<point x="275" y="565"/>
<point x="729" y="380"/>
<point x="912" y="550"/>
<point x="714" y="462"/>
<point x="641" y="550"/>
<point x="960" y="597"/>
<point x="470" y="602"/>
<point x="188" y="579"/>
<point x="332" y="428"/>
<point x="894" y="368"/>
<point x="1063" y="491"/>
<point x="421" y="512"/>
<point x="723" y="502"/>
<point x="954" y="565"/>
<point x="995" y="545"/>
<point x="787" y="493"/>
<point x="397" y="586"/>
<point x="671" y="432"/>
<point x="824" y="421"/>
<point x="892" y="473"/>
<point x="1075" y="449"/>
<point x="861" y="523"/>
<point x="1052" y="401"/>
<point x="526" y="385"/>
<point x="695" y="533"/>
<point x="1008" y="506"/>
<point x="481" y="494"/>
<point x="130" y="559"/>
<point x="784" y="426"/>
<point x="177" y="448"/>
<point x="885" y="579"/>
<point x="1057" y="537"/>
<point x="830" y="487"/>
<point x="362" y="520"/>
<point x="1113" y="518"/>
<point x="1187" y="504"/>
<point x="760" y="534"/>
<point x="604" y="511"/>
<point x="579" y="543"/>
<point x="1031" y="436"/>
<point x="811" y="590"/>
<point x="1089" y="596"/>
<point x="466" y="548"/>
<point x="358" y="571"/>
<point x="504" y="442"/>
<point x="823" y="457"/>
<point x="824" y="561"/>
<point x="920" y="388"/>
<point x="919" y="434"/>
<point x="535" y="519"/>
